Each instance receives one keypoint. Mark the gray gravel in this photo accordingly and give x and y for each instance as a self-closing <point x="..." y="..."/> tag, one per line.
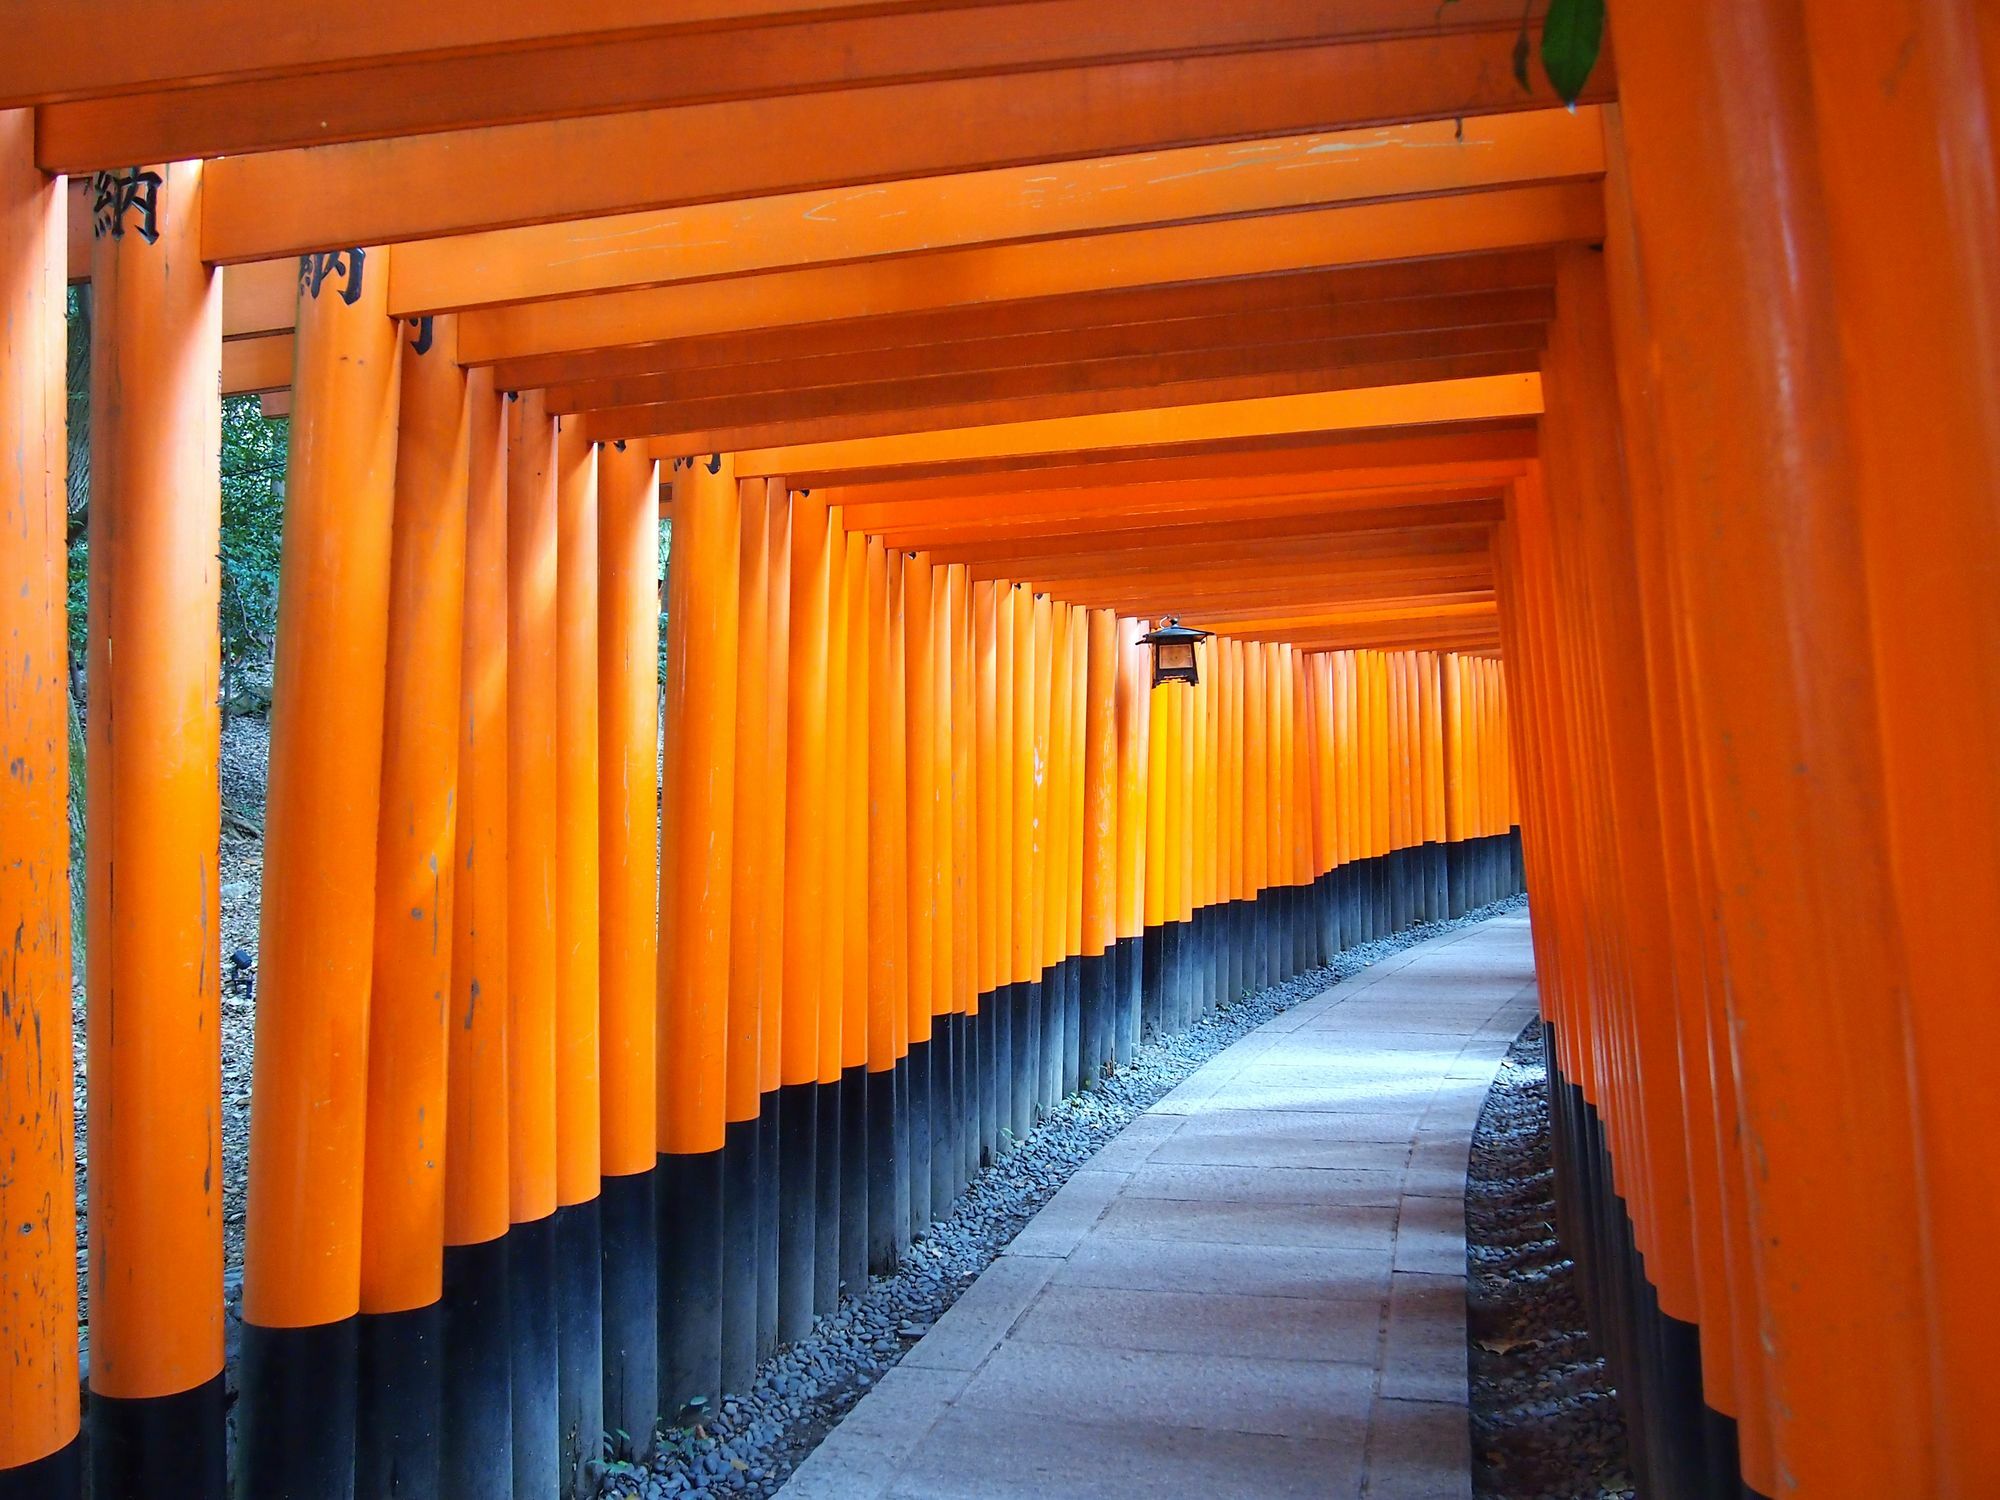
<point x="1546" y="1422"/>
<point x="751" y="1446"/>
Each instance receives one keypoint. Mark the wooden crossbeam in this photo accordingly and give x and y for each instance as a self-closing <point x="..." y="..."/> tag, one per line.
<point x="1154" y="505"/>
<point x="1165" y="593"/>
<point x="621" y="423"/>
<point x="1332" y="328"/>
<point x="1233" y="529"/>
<point x="1500" y="219"/>
<point x="1281" y="463"/>
<point x="1301" y="515"/>
<point x="807" y="465"/>
<point x="229" y="78"/>
<point x="1528" y="274"/>
<point x="1266" y="561"/>
<point x="1038" y="202"/>
<point x="455" y="182"/>
<point x="1116" y="383"/>
<point x="810" y="464"/>
<point x="1293" y="618"/>
<point x="132" y="45"/>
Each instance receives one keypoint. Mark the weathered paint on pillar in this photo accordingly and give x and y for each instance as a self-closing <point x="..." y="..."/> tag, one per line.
<point x="302" y="1249"/>
<point x="402" y="1210"/>
<point x="697" y="842"/>
<point x="39" y="1452"/>
<point x="154" y="974"/>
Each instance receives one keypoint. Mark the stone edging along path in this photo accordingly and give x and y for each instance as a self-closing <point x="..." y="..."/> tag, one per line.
<point x="754" y="1441"/>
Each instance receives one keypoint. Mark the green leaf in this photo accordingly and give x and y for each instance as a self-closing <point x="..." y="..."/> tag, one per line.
<point x="1521" y="59"/>
<point x="1572" y="36"/>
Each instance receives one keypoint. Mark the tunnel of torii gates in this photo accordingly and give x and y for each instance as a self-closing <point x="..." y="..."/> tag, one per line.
<point x="1635" y="466"/>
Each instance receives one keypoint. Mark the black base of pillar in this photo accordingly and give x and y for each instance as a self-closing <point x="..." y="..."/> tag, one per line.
<point x="1071" y="1048"/>
<point x="1152" y="983"/>
<point x="295" y="1414"/>
<point x="1682" y="1448"/>
<point x="691" y="1283"/>
<point x="859" y="1140"/>
<point x="900" y="1152"/>
<point x="398" y="1395"/>
<point x="740" y="1173"/>
<point x="1006" y="1003"/>
<point x="947" y="1111"/>
<point x="878" y="1096"/>
<point x="54" y="1476"/>
<point x="798" y="1209"/>
<point x="629" y="1230"/>
<point x="477" y="1418"/>
<point x="1027" y="1054"/>
<point x="1126" y="999"/>
<point x="985" y="1026"/>
<point x="1094" y="981"/>
<point x="768" y="1151"/>
<point x="917" y="1068"/>
<point x="147" y="1448"/>
<point x="578" y="1291"/>
<point x="831" y="1170"/>
<point x="531" y="1268"/>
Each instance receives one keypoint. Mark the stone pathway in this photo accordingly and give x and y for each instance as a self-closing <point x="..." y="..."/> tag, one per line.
<point x="1256" y="1290"/>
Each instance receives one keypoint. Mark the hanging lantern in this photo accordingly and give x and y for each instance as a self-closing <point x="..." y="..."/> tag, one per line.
<point x="1173" y="652"/>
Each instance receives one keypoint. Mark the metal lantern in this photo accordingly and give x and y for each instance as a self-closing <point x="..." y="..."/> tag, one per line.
<point x="1173" y="652"/>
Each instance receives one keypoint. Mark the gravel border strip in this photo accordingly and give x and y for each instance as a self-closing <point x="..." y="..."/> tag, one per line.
<point x="754" y="1442"/>
<point x="1546" y="1421"/>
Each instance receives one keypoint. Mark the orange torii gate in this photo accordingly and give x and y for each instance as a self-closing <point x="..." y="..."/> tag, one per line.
<point x="967" y="339"/>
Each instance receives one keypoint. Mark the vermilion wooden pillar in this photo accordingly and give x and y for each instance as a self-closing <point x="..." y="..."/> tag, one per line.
<point x="851" y="862"/>
<point x="40" y="1456"/>
<point x="1055" y="863"/>
<point x="1038" y="688"/>
<point x="1756" y="448"/>
<point x="302" y="1251"/>
<point x="1101" y="846"/>
<point x="898" y="808"/>
<point x="1000" y="1096"/>
<point x="989" y="834"/>
<point x="836" y="1206"/>
<point x="695" y="899"/>
<point x="1911" y="184"/>
<point x="154" y="974"/>
<point x="533" y="583"/>
<point x="885" y="971"/>
<point x="967" y="871"/>
<point x="925" y="933"/>
<point x="1018" y="1049"/>
<point x="943" y="988"/>
<point x="752" y="875"/>
<point x="808" y="731"/>
<point x="776" y="499"/>
<point x="578" y="1288"/>
<point x="477" y="1421"/>
<point x="402" y="1211"/>
<point x="628" y="706"/>
<point x="962" y="884"/>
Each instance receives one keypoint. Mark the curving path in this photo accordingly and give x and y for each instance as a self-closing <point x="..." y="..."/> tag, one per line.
<point x="1257" y="1290"/>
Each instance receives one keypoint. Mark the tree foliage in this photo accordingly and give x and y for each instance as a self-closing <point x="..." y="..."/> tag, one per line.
<point x="252" y="473"/>
<point x="254" y="449"/>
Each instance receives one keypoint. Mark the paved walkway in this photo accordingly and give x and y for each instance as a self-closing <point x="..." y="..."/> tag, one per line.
<point x="1257" y="1290"/>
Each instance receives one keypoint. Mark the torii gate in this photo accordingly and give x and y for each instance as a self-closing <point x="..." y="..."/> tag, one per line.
<point x="1092" y="313"/>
